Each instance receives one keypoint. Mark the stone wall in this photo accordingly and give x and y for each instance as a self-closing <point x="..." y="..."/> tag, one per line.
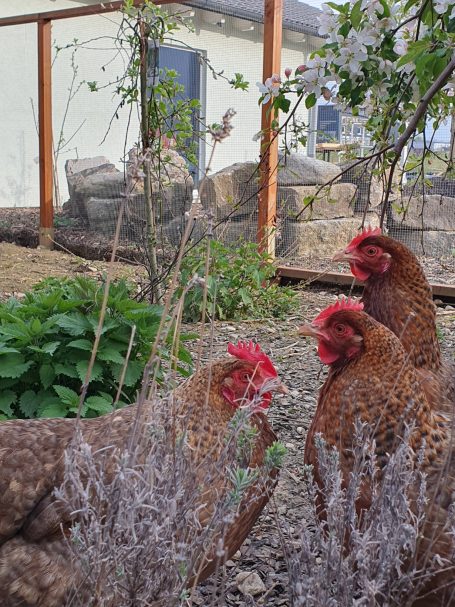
<point x="97" y="189"/>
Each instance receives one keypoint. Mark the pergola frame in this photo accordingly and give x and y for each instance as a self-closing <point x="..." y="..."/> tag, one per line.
<point x="273" y="10"/>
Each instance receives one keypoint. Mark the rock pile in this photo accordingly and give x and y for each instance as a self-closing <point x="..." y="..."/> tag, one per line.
<point x="96" y="189"/>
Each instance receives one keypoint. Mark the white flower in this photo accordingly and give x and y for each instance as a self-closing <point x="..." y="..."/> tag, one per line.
<point x="368" y="36"/>
<point x="371" y="7"/>
<point x="385" y="66"/>
<point x="400" y="47"/>
<point x="312" y="81"/>
<point x="441" y="6"/>
<point x="270" y="88"/>
<point x="329" y="23"/>
<point x="351" y="56"/>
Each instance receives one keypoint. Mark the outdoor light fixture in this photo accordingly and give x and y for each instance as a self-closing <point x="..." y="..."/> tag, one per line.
<point x="213" y="18"/>
<point x="242" y="25"/>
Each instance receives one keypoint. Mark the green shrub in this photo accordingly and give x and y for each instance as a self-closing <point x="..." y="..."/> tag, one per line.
<point x="239" y="284"/>
<point x="46" y="342"/>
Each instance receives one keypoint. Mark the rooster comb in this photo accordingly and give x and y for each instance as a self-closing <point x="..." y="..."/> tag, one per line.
<point x="365" y="233"/>
<point x="248" y="350"/>
<point x="344" y="303"/>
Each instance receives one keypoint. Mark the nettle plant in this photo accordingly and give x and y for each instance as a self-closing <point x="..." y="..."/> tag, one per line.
<point x="394" y="61"/>
<point x="46" y="342"/>
<point x="239" y="284"/>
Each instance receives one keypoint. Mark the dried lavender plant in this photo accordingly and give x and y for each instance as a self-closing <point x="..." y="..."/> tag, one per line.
<point x="344" y="558"/>
<point x="146" y="519"/>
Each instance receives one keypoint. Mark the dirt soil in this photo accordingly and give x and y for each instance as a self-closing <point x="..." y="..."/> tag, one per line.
<point x="20" y="226"/>
<point x="21" y="268"/>
<point x="299" y="367"/>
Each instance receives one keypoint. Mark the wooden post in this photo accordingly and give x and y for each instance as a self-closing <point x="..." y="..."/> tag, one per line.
<point x="273" y="20"/>
<point x="46" y="228"/>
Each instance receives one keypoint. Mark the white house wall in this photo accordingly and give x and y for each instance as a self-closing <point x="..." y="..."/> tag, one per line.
<point x="90" y="113"/>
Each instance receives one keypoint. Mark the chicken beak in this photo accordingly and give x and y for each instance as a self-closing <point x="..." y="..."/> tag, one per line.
<point x="309" y="330"/>
<point x="343" y="256"/>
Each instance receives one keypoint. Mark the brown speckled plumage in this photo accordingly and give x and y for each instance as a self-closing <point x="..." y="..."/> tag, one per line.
<point x="401" y="299"/>
<point x="35" y="568"/>
<point x="382" y="388"/>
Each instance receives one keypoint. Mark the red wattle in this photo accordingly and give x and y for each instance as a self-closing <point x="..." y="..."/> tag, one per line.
<point x="359" y="272"/>
<point x="326" y="355"/>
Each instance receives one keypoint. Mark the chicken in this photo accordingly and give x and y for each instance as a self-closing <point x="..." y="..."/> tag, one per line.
<point x="370" y="378"/>
<point x="398" y="295"/>
<point x="34" y="564"/>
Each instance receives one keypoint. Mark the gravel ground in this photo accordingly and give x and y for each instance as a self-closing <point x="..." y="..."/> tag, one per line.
<point x="290" y="415"/>
<point x="299" y="367"/>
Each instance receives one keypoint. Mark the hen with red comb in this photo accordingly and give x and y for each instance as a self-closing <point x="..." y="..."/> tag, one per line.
<point x="34" y="530"/>
<point x="398" y="295"/>
<point x="371" y="380"/>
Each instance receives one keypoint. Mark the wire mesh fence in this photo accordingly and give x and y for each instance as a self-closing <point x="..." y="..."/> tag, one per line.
<point x="97" y="142"/>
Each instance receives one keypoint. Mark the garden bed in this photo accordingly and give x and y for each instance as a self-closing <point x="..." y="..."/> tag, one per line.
<point x="291" y="414"/>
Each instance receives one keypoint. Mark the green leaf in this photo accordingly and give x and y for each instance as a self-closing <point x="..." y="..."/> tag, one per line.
<point x="281" y="103"/>
<point x="99" y="404"/>
<point x="82" y="367"/>
<point x="46" y="374"/>
<point x="133" y="372"/>
<point x="7" y="398"/>
<point x="28" y="403"/>
<point x="7" y="350"/>
<point x="66" y="369"/>
<point x="110" y="355"/>
<point x="81" y="344"/>
<point x="415" y="49"/>
<point x="356" y="14"/>
<point x="13" y="365"/>
<point x="53" y="410"/>
<point x="66" y="395"/>
<point x="310" y="101"/>
<point x="75" y="323"/>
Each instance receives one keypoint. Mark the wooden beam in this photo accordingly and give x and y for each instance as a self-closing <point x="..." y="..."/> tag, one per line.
<point x="46" y="228"/>
<point x="70" y="13"/>
<point x="273" y="24"/>
<point x="346" y="280"/>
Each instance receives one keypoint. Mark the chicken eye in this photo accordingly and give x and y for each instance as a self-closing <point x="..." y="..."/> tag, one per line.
<point x="371" y="251"/>
<point x="245" y="377"/>
<point x="340" y="329"/>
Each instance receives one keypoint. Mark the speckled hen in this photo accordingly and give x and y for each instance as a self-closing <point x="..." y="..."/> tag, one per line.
<point x="35" y="569"/>
<point x="371" y="378"/>
<point x="399" y="296"/>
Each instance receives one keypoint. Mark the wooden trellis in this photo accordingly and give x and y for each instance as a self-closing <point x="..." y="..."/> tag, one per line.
<point x="269" y="147"/>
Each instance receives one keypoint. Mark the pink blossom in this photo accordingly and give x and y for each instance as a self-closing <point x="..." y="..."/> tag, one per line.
<point x="287" y="72"/>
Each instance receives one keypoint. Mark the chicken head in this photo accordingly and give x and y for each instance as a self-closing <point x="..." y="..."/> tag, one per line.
<point x="337" y="339"/>
<point x="252" y="381"/>
<point x="365" y="254"/>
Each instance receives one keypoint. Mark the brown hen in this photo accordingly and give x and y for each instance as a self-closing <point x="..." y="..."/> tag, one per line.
<point x="370" y="378"/>
<point x="399" y="296"/>
<point x="35" y="568"/>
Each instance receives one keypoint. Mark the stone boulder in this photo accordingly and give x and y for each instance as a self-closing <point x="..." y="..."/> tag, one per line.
<point x="97" y="187"/>
<point x="433" y="185"/>
<point x="331" y="203"/>
<point x="77" y="172"/>
<point x="233" y="190"/>
<point x="232" y="232"/>
<point x="432" y="243"/>
<point x="321" y="238"/>
<point x="370" y="188"/>
<point x="432" y="212"/>
<point x="169" y="170"/>
<point x="297" y="169"/>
